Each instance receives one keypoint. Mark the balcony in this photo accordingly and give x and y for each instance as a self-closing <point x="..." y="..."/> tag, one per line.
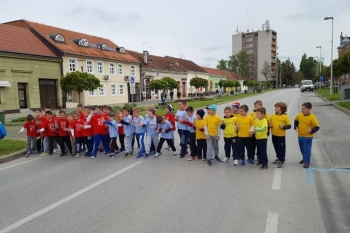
<point x="273" y="60"/>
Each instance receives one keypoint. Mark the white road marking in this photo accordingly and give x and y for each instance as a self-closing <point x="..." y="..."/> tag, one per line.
<point x="271" y="222"/>
<point x="276" y="182"/>
<point x="64" y="200"/>
<point x="17" y="164"/>
<point x="290" y="105"/>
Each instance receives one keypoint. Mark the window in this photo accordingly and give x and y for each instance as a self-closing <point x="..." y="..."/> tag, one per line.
<point x="250" y="51"/>
<point x="100" y="67"/>
<point x="92" y="93"/>
<point x="251" y="69"/>
<point x="113" y="89"/>
<point x="251" y="57"/>
<point x="102" y="90"/>
<point x="72" y="64"/>
<point x="121" y="89"/>
<point x="120" y="69"/>
<point x="111" y="68"/>
<point x="132" y="70"/>
<point x="216" y="85"/>
<point x="249" y="39"/>
<point x="250" y="45"/>
<point x="89" y="66"/>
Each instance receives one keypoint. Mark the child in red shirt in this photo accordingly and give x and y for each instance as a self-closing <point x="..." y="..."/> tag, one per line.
<point x="49" y="130"/>
<point x="31" y="128"/>
<point x="169" y="116"/>
<point x="77" y="128"/>
<point x="88" y="135"/>
<point x="64" y="133"/>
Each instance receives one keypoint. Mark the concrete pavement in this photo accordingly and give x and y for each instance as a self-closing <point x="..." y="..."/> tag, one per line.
<point x="167" y="194"/>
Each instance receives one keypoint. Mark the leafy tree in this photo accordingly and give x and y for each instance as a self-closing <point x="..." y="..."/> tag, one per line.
<point x="243" y="61"/>
<point x="198" y="82"/>
<point x="171" y="83"/>
<point x="222" y="65"/>
<point x="79" y="82"/>
<point x="298" y="76"/>
<point x="266" y="70"/>
<point x="307" y="66"/>
<point x="232" y="63"/>
<point x="157" y="85"/>
<point x="288" y="69"/>
<point x="250" y="83"/>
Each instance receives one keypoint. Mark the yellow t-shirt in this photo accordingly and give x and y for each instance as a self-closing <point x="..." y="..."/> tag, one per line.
<point x="230" y="130"/>
<point x="253" y="115"/>
<point x="199" y="124"/>
<point x="212" y="123"/>
<point x="244" y="123"/>
<point x="258" y="124"/>
<point x="306" y="123"/>
<point x="276" y="121"/>
<point x="237" y="115"/>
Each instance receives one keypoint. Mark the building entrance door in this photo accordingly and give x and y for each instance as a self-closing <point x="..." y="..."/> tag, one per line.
<point x="22" y="95"/>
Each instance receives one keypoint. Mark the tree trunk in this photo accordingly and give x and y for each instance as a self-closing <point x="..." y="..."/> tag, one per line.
<point x="78" y="97"/>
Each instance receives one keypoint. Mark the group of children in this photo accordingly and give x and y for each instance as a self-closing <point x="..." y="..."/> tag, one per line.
<point x="97" y="129"/>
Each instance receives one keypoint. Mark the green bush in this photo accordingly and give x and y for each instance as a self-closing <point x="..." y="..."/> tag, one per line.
<point x="21" y="119"/>
<point x="117" y="108"/>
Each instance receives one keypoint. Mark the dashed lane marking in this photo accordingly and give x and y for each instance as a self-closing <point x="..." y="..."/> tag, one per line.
<point x="271" y="222"/>
<point x="277" y="176"/>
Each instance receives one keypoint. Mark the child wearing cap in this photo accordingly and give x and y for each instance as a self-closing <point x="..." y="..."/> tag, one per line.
<point x="235" y="109"/>
<point x="212" y="131"/>
<point x="200" y="135"/>
<point x="169" y="116"/>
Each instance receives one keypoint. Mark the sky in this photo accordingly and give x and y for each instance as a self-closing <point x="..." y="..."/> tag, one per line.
<point x="197" y="30"/>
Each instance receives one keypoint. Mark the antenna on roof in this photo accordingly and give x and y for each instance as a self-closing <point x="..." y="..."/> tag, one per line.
<point x="237" y="30"/>
<point x="143" y="45"/>
<point x="248" y="20"/>
<point x="152" y="48"/>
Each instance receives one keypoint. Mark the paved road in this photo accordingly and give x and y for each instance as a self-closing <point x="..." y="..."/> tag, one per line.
<point x="165" y="194"/>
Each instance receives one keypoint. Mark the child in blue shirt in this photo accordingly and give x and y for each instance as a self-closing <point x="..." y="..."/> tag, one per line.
<point x="191" y="117"/>
<point x="128" y="130"/>
<point x="138" y="122"/>
<point x="151" y="131"/>
<point x="113" y="132"/>
<point x="166" y="134"/>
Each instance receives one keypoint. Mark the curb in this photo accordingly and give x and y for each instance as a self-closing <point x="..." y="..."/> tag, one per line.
<point x="344" y="110"/>
<point x="13" y="156"/>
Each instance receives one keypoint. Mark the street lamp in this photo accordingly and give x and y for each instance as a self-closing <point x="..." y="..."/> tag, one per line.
<point x="320" y="47"/>
<point x="331" y="84"/>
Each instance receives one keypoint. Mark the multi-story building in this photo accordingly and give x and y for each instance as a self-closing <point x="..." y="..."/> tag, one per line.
<point x="98" y="56"/>
<point x="261" y="47"/>
<point x="343" y="48"/>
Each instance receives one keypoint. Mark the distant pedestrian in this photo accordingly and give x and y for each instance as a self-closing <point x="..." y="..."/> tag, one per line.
<point x="178" y="95"/>
<point x="306" y="125"/>
<point x="171" y="96"/>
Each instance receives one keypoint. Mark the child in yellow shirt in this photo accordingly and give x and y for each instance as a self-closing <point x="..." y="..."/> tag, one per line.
<point x="235" y="109"/>
<point x="200" y="135"/>
<point x="260" y="130"/>
<point x="228" y="125"/>
<point x="245" y="125"/>
<point x="306" y="125"/>
<point x="212" y="133"/>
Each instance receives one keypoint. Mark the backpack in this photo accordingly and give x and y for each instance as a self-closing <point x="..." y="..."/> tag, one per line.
<point x="2" y="131"/>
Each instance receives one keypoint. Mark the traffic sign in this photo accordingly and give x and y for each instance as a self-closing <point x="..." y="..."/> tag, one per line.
<point x="132" y="90"/>
<point x="321" y="78"/>
<point x="132" y="81"/>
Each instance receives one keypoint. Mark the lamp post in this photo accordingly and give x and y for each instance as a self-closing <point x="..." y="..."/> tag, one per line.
<point x="331" y="83"/>
<point x="320" y="47"/>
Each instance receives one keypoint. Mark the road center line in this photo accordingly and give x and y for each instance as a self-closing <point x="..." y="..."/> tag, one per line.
<point x="64" y="200"/>
<point x="17" y="164"/>
<point x="271" y="222"/>
<point x="276" y="182"/>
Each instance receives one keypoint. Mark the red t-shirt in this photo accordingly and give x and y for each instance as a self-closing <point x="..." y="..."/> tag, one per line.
<point x="63" y="124"/>
<point x="31" y="128"/>
<point x="78" y="127"/>
<point x="171" y="118"/>
<point x="50" y="128"/>
<point x="120" y="129"/>
<point x="89" y="131"/>
<point x="44" y="133"/>
<point x="81" y="115"/>
<point x="98" y="124"/>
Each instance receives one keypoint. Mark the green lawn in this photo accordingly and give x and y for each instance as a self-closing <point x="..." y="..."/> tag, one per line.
<point x="345" y="105"/>
<point x="324" y="92"/>
<point x="8" y="146"/>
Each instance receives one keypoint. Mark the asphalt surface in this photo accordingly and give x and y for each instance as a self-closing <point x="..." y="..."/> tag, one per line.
<point x="167" y="194"/>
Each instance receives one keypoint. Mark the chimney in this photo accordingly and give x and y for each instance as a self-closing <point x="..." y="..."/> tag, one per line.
<point x="145" y="59"/>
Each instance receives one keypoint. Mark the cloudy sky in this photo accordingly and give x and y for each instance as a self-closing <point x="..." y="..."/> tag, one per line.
<point x="198" y="30"/>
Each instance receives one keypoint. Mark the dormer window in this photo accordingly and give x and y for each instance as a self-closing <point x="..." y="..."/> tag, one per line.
<point x="82" y="42"/>
<point x="122" y="50"/>
<point x="58" y="38"/>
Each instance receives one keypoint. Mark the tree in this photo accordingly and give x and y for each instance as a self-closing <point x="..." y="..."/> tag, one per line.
<point x="79" y="82"/>
<point x="266" y="70"/>
<point x="232" y="64"/>
<point x="157" y="85"/>
<point x="171" y="83"/>
<point x="222" y="65"/>
<point x="298" y="76"/>
<point x="307" y="66"/>
<point x="288" y="69"/>
<point x="198" y="82"/>
<point x="243" y="61"/>
<point x="228" y="83"/>
<point x="250" y="83"/>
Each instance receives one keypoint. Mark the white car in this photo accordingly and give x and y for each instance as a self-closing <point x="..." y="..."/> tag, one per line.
<point x="306" y="85"/>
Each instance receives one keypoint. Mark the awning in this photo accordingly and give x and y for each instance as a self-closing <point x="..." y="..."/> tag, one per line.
<point x="5" y="84"/>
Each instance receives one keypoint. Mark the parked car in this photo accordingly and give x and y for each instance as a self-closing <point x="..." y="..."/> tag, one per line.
<point x="306" y="85"/>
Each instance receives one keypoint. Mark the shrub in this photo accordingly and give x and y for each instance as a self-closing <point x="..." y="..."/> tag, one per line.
<point x="20" y="119"/>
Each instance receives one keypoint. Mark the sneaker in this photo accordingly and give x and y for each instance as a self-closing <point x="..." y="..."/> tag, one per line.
<point x="263" y="167"/>
<point x="217" y="159"/>
<point x="225" y="159"/>
<point x="280" y="164"/>
<point x="62" y="155"/>
<point x="301" y="161"/>
<point x="186" y="152"/>
<point x="27" y="155"/>
<point x="92" y="157"/>
<point x="192" y="158"/>
<point x="276" y="161"/>
<point x="209" y="162"/>
<point x="126" y="154"/>
<point x="139" y="156"/>
<point x="152" y="153"/>
<point x="156" y="155"/>
<point x="199" y="158"/>
<point x="204" y="159"/>
<point x="87" y="154"/>
<point x="77" y="155"/>
<point x="182" y="156"/>
<point x="121" y="150"/>
<point x="116" y="152"/>
<point x="175" y="153"/>
<point x="111" y="155"/>
<point x="146" y="156"/>
<point x="54" y="151"/>
<point x="306" y="165"/>
<point x="251" y="161"/>
<point x="43" y="154"/>
<point x="242" y="162"/>
<point x="132" y="151"/>
<point x="38" y="153"/>
<point x="235" y="162"/>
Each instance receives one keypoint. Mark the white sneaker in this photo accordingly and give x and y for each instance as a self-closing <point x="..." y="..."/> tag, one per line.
<point x="92" y="157"/>
<point x="225" y="159"/>
<point x="156" y="155"/>
<point x="175" y="153"/>
<point x="77" y="156"/>
<point x="235" y="162"/>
